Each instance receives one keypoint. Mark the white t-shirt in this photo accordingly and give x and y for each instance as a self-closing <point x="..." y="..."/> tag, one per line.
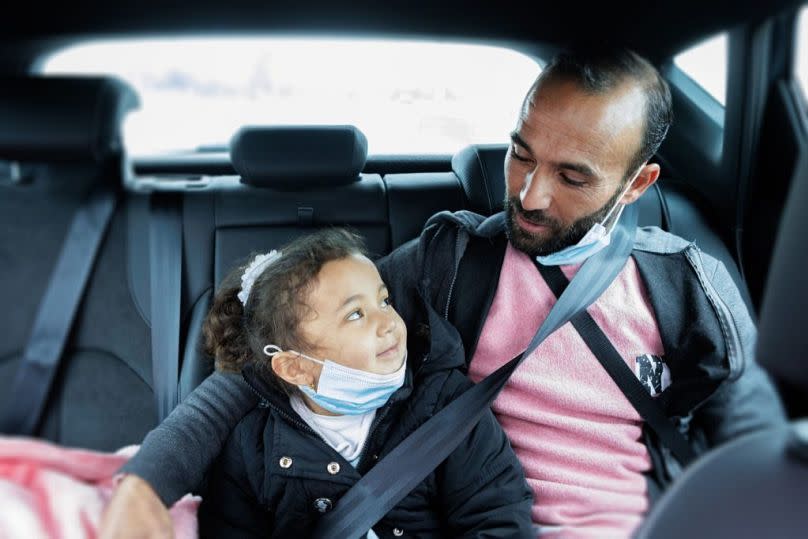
<point x="345" y="433"/>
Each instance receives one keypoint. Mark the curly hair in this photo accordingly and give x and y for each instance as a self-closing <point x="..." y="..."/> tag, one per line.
<point x="235" y="334"/>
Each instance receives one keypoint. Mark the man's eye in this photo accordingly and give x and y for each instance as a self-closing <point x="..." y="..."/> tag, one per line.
<point x="566" y="179"/>
<point x="515" y="155"/>
<point x="356" y="315"/>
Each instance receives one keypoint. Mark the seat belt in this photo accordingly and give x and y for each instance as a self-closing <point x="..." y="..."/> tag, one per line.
<point x="611" y="360"/>
<point x="57" y="310"/>
<point x="387" y="483"/>
<point x="165" y="269"/>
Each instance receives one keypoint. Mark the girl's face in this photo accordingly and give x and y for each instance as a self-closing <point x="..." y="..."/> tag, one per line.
<point x="352" y="322"/>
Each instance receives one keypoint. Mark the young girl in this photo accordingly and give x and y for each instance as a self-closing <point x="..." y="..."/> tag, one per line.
<point x="312" y="330"/>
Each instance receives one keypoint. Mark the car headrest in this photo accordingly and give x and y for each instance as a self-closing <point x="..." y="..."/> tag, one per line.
<point x="481" y="170"/>
<point x="295" y="157"/>
<point x="62" y="119"/>
<point x="783" y="338"/>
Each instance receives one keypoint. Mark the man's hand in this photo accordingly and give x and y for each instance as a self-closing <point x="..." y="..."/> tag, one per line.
<point x="135" y="512"/>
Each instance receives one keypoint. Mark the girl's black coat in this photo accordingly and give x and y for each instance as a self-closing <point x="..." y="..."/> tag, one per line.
<point x="275" y="477"/>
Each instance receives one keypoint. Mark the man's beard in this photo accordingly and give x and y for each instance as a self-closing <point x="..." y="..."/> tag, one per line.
<point x="559" y="236"/>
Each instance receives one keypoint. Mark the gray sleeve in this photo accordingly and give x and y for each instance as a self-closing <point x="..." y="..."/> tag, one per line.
<point x="748" y="402"/>
<point x="175" y="456"/>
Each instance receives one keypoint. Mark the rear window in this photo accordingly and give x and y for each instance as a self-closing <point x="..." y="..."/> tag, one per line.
<point x="407" y="97"/>
<point x="706" y="65"/>
<point x="801" y="56"/>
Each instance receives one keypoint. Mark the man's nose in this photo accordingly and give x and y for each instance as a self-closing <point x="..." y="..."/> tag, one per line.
<point x="537" y="191"/>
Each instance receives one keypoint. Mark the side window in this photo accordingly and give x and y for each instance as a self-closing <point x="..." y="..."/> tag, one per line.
<point x="706" y="65"/>
<point x="801" y="58"/>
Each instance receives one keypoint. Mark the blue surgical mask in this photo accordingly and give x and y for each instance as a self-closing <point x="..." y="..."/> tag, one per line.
<point x="596" y="238"/>
<point x="346" y="391"/>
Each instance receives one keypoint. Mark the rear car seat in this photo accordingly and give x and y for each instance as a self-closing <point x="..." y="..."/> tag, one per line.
<point x="64" y="136"/>
<point x="292" y="180"/>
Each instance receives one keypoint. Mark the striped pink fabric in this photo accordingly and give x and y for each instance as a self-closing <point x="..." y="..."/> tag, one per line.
<point x="53" y="492"/>
<point x="577" y="436"/>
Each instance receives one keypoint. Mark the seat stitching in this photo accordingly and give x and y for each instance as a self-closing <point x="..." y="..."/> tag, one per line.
<point x="485" y="181"/>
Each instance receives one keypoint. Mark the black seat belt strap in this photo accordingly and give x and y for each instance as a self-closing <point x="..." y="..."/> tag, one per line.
<point x="57" y="310"/>
<point x="422" y="451"/>
<point x="611" y="360"/>
<point x="165" y="267"/>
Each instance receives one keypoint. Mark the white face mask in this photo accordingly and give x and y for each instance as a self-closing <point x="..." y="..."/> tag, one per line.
<point x="346" y="391"/>
<point x="596" y="238"/>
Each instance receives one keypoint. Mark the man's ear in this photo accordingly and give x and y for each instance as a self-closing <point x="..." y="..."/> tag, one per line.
<point x="648" y="175"/>
<point x="292" y="368"/>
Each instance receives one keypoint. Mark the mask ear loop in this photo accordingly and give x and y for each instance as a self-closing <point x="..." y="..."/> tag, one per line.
<point x="272" y="350"/>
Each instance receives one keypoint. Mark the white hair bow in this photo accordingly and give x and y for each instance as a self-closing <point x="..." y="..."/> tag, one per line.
<point x="256" y="268"/>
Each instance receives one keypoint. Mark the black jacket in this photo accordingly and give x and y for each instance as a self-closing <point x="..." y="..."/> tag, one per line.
<point x="276" y="477"/>
<point x="718" y="392"/>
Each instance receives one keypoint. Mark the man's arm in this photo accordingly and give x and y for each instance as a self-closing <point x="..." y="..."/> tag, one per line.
<point x="231" y="507"/>
<point x="750" y="402"/>
<point x="175" y="456"/>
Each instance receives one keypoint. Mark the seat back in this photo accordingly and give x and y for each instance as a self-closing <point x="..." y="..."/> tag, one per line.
<point x="277" y="196"/>
<point x="63" y="136"/>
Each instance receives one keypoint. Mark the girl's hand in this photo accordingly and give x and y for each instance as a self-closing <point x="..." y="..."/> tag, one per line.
<point x="135" y="512"/>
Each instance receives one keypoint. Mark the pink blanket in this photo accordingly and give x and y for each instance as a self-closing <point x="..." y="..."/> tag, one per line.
<point x="52" y="492"/>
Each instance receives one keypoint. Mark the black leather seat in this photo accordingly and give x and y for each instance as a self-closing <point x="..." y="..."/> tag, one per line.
<point x="63" y="134"/>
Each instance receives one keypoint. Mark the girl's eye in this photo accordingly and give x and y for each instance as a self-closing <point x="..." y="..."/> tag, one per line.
<point x="386" y="302"/>
<point x="356" y="315"/>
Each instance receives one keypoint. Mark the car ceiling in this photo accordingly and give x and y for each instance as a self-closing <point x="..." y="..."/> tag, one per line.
<point x="656" y="29"/>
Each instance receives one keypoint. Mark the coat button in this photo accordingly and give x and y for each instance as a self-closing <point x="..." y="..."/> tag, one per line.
<point x="398" y="532"/>
<point x="323" y="505"/>
<point x="333" y="468"/>
<point x="285" y="462"/>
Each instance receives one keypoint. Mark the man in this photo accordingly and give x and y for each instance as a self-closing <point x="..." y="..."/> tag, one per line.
<point x="579" y="154"/>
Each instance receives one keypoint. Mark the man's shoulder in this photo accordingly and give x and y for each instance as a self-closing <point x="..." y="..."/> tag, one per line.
<point x="653" y="239"/>
<point x="469" y="222"/>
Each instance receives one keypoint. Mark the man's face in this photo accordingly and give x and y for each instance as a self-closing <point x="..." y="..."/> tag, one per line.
<point x="568" y="161"/>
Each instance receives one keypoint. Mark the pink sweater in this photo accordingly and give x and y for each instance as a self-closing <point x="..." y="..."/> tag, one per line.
<point x="576" y="435"/>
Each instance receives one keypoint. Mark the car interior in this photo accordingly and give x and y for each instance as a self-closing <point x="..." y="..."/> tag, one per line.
<point x="169" y="227"/>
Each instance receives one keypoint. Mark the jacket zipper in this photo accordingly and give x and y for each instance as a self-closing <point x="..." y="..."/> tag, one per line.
<point x="371" y="435"/>
<point x="454" y="278"/>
